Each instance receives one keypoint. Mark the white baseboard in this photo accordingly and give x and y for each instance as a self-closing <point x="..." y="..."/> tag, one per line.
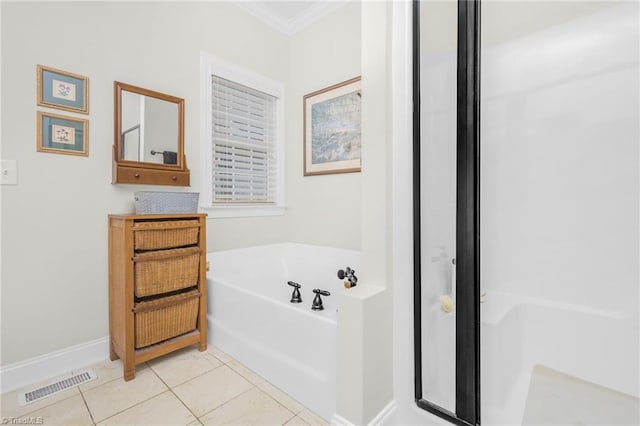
<point x="379" y="419"/>
<point x="37" y="369"/>
<point x="385" y="413"/>
<point x="338" y="420"/>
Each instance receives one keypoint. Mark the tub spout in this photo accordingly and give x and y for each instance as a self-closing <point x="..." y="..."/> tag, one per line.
<point x="317" y="301"/>
<point x="295" y="296"/>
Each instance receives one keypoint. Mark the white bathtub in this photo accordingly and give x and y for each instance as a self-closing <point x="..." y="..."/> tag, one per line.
<point x="250" y="317"/>
<point x="519" y="333"/>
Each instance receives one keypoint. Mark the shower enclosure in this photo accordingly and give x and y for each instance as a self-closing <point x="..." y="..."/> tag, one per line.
<point x="526" y="195"/>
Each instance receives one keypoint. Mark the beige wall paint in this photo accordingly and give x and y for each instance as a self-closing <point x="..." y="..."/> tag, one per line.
<point x="325" y="209"/>
<point x="365" y="334"/>
<point x="54" y="223"/>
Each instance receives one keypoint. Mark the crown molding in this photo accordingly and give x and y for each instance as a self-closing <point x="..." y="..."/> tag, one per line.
<point x="318" y="10"/>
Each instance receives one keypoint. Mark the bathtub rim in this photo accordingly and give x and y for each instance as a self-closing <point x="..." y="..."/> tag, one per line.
<point x="287" y="244"/>
<point x="288" y="249"/>
<point x="324" y="318"/>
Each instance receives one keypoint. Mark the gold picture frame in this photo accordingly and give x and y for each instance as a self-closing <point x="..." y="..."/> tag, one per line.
<point x="62" y="90"/>
<point x="61" y="134"/>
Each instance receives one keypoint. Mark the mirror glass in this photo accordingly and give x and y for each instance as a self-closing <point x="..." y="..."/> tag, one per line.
<point x="149" y="129"/>
<point x="149" y="137"/>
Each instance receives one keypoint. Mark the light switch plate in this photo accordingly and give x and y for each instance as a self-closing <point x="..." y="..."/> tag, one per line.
<point x="9" y="172"/>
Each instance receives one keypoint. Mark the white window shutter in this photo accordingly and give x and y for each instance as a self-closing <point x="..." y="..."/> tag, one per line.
<point x="244" y="160"/>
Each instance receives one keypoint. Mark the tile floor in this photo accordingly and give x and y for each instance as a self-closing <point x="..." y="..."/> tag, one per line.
<point x="186" y="387"/>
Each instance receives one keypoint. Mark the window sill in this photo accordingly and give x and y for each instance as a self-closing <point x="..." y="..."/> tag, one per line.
<point x="242" y="211"/>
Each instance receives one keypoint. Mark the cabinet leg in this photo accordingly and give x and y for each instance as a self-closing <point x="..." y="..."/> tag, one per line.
<point x="129" y="374"/>
<point x="202" y="346"/>
<point x="112" y="354"/>
<point x="129" y="368"/>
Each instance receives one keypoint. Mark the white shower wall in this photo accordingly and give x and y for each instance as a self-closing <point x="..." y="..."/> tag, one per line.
<point x="559" y="204"/>
<point x="559" y="152"/>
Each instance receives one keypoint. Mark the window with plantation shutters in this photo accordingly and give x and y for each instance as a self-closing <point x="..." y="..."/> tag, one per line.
<point x="242" y="134"/>
<point x="244" y="144"/>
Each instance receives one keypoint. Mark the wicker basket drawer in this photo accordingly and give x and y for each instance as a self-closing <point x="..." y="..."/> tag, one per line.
<point x="155" y="235"/>
<point x="164" y="318"/>
<point x="162" y="271"/>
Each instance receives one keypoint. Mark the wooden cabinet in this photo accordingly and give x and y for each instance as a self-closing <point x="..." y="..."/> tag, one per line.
<point x="157" y="286"/>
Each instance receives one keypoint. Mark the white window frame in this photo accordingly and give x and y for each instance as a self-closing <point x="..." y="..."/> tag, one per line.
<point x="212" y="65"/>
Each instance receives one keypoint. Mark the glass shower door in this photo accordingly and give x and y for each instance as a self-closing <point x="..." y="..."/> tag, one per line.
<point x="445" y="209"/>
<point x="438" y="59"/>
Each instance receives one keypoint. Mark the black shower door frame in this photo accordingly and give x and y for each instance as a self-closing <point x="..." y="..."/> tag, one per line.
<point x="467" y="395"/>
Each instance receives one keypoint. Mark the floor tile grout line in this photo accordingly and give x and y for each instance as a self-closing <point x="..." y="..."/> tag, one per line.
<point x="280" y="403"/>
<point x="227" y="401"/>
<point x="141" y="402"/>
<point x="253" y="386"/>
<point x="262" y="380"/>
<point x="177" y="397"/>
<point x="268" y="394"/>
<point x="134" y="405"/>
<point x="103" y="383"/>
<point x="219" y="359"/>
<point x="54" y="401"/>
<point x="93" y="421"/>
<point x="110" y="380"/>
<point x="185" y="406"/>
<point x="301" y="419"/>
<point x="289" y="419"/>
<point x="187" y="380"/>
<point x="265" y="381"/>
<point x="229" y="363"/>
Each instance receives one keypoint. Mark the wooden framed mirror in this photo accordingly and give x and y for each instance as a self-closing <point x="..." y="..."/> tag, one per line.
<point x="149" y="137"/>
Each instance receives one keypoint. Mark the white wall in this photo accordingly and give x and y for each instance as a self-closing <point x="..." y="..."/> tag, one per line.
<point x="559" y="180"/>
<point x="323" y="209"/>
<point x="365" y="335"/>
<point x="54" y="223"/>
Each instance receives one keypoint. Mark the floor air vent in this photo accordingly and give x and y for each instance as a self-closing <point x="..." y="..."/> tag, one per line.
<point x="30" y="397"/>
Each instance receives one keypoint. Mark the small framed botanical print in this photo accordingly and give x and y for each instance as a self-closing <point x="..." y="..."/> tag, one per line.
<point x="62" y="90"/>
<point x="62" y="134"/>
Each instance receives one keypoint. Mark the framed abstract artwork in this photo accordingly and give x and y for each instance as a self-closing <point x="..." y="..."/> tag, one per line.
<point x="62" y="90"/>
<point x="332" y="118"/>
<point x="62" y="135"/>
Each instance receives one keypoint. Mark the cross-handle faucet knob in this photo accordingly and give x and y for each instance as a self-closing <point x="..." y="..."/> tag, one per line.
<point x="317" y="301"/>
<point x="350" y="275"/>
<point x="295" y="296"/>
